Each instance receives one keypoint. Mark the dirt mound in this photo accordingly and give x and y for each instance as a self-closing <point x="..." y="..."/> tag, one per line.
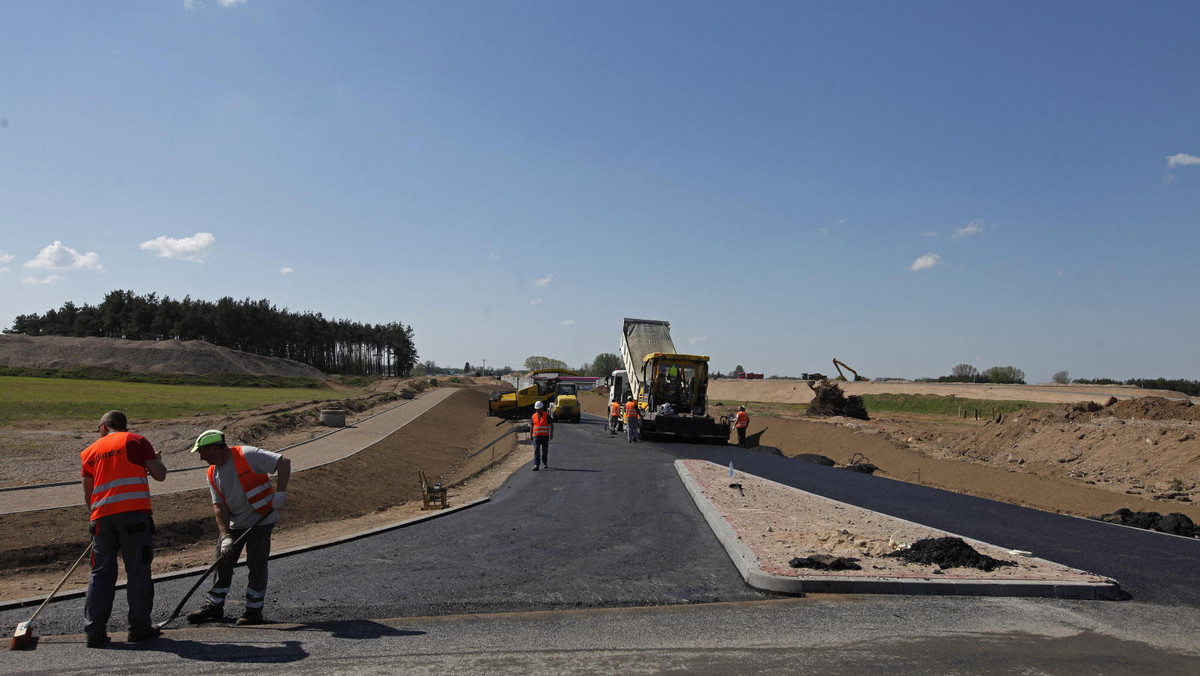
<point x="948" y="552"/>
<point x="1154" y="408"/>
<point x="141" y="356"/>
<point x="1146" y="445"/>
<point x="829" y="400"/>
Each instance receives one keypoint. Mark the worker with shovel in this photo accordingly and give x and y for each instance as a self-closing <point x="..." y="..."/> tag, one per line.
<point x="117" y="492"/>
<point x="244" y="503"/>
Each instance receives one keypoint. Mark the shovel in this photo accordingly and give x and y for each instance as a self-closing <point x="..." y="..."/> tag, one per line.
<point x="188" y="595"/>
<point x="23" y="636"/>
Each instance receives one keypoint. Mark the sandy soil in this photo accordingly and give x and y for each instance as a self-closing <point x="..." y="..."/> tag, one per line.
<point x="779" y="523"/>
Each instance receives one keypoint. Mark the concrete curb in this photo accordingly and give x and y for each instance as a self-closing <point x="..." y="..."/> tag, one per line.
<point x="747" y="564"/>
<point x="79" y="593"/>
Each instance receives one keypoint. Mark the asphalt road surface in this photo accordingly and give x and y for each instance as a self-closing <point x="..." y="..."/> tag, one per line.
<point x="603" y="563"/>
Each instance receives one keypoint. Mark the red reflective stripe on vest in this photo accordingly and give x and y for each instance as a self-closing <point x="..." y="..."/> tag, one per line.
<point x="118" y="485"/>
<point x="540" y="425"/>
<point x="257" y="487"/>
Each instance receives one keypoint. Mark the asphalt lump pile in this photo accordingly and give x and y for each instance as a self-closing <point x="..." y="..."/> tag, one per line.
<point x="1173" y="523"/>
<point x="948" y="552"/>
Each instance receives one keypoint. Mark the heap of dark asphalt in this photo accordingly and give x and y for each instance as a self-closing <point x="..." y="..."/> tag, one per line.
<point x="611" y="525"/>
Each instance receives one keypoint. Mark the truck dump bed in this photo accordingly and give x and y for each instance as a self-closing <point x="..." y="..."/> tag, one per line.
<point x="645" y="336"/>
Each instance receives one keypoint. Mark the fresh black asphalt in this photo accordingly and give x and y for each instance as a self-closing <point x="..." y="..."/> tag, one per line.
<point x="610" y="525"/>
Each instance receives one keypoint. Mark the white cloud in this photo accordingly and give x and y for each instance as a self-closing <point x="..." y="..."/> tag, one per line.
<point x="929" y="260"/>
<point x="194" y="248"/>
<point x="929" y="233"/>
<point x="5" y="259"/>
<point x="49" y="279"/>
<point x="536" y="301"/>
<point x="697" y="339"/>
<point x="59" y="257"/>
<point x="286" y="271"/>
<point x="969" y="230"/>
<point x="1181" y="160"/>
<point x="544" y="281"/>
<point x="568" y="322"/>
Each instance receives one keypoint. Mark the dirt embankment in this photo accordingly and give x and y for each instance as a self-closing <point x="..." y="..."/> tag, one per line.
<point x="788" y="391"/>
<point x="143" y="356"/>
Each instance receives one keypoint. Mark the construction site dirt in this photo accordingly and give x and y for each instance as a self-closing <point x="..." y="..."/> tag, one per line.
<point x="1141" y="456"/>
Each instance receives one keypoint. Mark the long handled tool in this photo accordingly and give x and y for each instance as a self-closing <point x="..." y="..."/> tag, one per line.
<point x="188" y="595"/>
<point x="23" y="636"/>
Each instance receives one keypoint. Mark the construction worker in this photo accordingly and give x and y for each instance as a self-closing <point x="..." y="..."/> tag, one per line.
<point x="116" y="491"/>
<point x="541" y="431"/>
<point x="243" y="500"/>
<point x="614" y="417"/>
<point x="632" y="419"/>
<point x="740" y="422"/>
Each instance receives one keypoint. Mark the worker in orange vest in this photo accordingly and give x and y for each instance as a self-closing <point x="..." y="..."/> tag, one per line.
<point x="244" y="504"/>
<point x="633" y="419"/>
<point x="116" y="491"/>
<point x="614" y="417"/>
<point x="541" y="431"/>
<point x="740" y="423"/>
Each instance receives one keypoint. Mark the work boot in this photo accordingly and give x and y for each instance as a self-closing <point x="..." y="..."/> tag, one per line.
<point x="143" y="633"/>
<point x="209" y="612"/>
<point x="101" y="641"/>
<point x="251" y="616"/>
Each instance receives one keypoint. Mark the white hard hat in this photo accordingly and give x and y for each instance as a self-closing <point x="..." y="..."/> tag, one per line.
<point x="538" y="405"/>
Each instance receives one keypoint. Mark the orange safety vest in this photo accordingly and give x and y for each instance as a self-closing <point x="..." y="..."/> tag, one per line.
<point x="743" y="420"/>
<point x="118" y="485"/>
<point x="257" y="487"/>
<point x="615" y="409"/>
<point x="631" y="410"/>
<point x="541" y="424"/>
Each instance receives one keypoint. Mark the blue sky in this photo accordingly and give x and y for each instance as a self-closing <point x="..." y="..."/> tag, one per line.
<point x="903" y="186"/>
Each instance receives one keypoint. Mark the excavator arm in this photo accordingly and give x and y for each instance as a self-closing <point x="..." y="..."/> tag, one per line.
<point x="837" y="364"/>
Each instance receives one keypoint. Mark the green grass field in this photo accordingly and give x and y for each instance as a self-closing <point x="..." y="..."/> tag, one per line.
<point x="932" y="404"/>
<point x="64" y="399"/>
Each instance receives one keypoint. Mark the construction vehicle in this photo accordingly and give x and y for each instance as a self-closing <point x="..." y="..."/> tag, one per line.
<point x="837" y="364"/>
<point x="671" y="389"/>
<point x="555" y="388"/>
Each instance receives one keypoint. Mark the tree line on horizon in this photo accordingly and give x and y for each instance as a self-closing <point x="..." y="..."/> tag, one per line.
<point x="335" y="346"/>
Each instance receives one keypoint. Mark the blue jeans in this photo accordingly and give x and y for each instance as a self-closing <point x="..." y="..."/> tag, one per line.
<point x="129" y="535"/>
<point x="541" y="450"/>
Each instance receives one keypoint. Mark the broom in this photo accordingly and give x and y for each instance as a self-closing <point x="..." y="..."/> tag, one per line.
<point x="23" y="636"/>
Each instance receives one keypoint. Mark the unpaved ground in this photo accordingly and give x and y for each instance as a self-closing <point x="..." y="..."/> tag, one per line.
<point x="778" y="523"/>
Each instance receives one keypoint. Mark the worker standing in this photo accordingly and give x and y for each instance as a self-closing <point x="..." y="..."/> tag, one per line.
<point x="116" y="491"/>
<point x="614" y="417"/>
<point x="632" y="419"/>
<point x="239" y="483"/>
<point x="541" y="431"/>
<point x="740" y="423"/>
